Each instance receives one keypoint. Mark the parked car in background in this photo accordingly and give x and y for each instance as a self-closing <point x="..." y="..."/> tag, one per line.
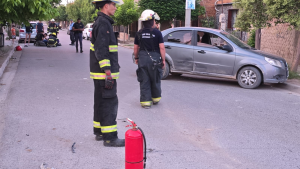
<point x="215" y="53"/>
<point x="22" y="32"/>
<point x="86" y="32"/>
<point x="58" y="25"/>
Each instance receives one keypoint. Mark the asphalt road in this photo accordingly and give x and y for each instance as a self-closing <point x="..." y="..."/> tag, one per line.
<point x="201" y="123"/>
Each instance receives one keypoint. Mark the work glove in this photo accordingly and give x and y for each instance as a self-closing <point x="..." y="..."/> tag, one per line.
<point x="109" y="81"/>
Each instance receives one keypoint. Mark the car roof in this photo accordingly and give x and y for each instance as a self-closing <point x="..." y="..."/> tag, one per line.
<point x="196" y="28"/>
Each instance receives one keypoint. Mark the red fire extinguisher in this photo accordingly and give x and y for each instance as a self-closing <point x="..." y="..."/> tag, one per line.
<point x="135" y="147"/>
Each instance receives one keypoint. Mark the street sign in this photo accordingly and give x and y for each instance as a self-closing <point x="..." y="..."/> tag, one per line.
<point x="190" y="4"/>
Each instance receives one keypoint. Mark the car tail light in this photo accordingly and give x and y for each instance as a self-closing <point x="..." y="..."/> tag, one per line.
<point x="22" y="30"/>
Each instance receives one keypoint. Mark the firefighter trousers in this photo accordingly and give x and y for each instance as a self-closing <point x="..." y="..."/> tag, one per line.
<point x="149" y="76"/>
<point x="105" y="110"/>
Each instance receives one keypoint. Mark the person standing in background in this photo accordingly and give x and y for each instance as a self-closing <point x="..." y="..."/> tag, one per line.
<point x="13" y="34"/>
<point x="39" y="27"/>
<point x="78" y="27"/>
<point x="72" y="38"/>
<point x="28" y="34"/>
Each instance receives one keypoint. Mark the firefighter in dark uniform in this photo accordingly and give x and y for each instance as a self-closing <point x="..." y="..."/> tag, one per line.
<point x="53" y="28"/>
<point x="104" y="69"/>
<point x="149" y="51"/>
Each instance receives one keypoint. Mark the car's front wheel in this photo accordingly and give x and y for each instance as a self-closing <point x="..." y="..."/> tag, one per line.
<point x="249" y="77"/>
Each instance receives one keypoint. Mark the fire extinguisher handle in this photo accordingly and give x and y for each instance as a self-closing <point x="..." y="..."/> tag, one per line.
<point x="145" y="151"/>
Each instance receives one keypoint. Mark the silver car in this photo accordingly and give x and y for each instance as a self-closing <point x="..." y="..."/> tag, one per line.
<point x="215" y="53"/>
<point x="22" y="33"/>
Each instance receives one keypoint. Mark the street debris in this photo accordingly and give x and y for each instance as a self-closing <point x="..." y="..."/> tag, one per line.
<point x="73" y="147"/>
<point x="45" y="166"/>
<point x="27" y="134"/>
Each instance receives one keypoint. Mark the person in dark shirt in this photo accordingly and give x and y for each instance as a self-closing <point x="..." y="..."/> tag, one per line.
<point x="78" y="28"/>
<point x="28" y="34"/>
<point x="39" y="27"/>
<point x="149" y="52"/>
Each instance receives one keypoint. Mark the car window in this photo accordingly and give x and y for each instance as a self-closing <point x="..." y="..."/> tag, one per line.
<point x="205" y="39"/>
<point x="182" y="37"/>
<point x="236" y="41"/>
<point x="32" y="24"/>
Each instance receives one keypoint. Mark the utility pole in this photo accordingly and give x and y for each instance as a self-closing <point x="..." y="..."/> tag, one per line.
<point x="189" y="5"/>
<point x="188" y="13"/>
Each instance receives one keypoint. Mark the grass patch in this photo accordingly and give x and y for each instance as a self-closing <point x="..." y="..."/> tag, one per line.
<point x="294" y="75"/>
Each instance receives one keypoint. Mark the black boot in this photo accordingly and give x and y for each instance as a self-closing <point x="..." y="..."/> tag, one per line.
<point x="81" y="51"/>
<point x="76" y="50"/>
<point x="99" y="138"/>
<point x="114" y="143"/>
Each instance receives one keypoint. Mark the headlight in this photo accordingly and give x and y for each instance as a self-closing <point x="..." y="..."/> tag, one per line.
<point x="273" y="62"/>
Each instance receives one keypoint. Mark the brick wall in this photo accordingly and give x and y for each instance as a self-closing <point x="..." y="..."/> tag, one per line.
<point x="281" y="41"/>
<point x="209" y="7"/>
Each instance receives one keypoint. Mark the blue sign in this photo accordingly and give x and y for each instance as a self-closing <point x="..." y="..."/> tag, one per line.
<point x="190" y="4"/>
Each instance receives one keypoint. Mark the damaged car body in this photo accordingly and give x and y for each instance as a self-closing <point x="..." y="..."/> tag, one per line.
<point x="216" y="53"/>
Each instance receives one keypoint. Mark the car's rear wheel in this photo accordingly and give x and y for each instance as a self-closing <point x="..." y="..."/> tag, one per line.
<point x="249" y="77"/>
<point x="166" y="71"/>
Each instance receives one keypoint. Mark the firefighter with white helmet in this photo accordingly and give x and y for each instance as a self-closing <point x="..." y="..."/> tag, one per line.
<point x="104" y="70"/>
<point x="52" y="27"/>
<point x="149" y="52"/>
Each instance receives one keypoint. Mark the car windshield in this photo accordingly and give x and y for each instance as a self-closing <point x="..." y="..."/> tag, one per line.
<point x="236" y="41"/>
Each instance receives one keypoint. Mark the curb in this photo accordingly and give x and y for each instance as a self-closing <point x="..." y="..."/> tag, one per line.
<point x="5" y="63"/>
<point x="288" y="86"/>
<point x="125" y="46"/>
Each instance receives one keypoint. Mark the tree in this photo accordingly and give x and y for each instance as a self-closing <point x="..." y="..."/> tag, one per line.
<point x="126" y="14"/>
<point x="171" y="9"/>
<point x="82" y="9"/>
<point x="261" y="13"/>
<point x="62" y="16"/>
<point x="19" y="11"/>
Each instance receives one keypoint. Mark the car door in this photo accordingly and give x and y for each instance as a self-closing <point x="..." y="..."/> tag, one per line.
<point x="33" y="34"/>
<point x="209" y="57"/>
<point x="179" y="47"/>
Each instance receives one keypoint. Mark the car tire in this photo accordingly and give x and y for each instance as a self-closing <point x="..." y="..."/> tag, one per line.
<point x="176" y="74"/>
<point x="249" y="77"/>
<point x="166" y="71"/>
<point x="87" y="38"/>
<point x="20" y="41"/>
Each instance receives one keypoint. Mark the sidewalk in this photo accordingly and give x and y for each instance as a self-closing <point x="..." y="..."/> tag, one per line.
<point x="128" y="44"/>
<point x="6" y="53"/>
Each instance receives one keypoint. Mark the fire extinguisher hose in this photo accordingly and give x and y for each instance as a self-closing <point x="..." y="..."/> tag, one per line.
<point x="145" y="149"/>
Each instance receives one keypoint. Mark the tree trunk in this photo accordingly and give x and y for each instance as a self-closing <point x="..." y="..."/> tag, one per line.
<point x="124" y="35"/>
<point x="1" y="29"/>
<point x="128" y="33"/>
<point x="297" y="61"/>
<point x="258" y="39"/>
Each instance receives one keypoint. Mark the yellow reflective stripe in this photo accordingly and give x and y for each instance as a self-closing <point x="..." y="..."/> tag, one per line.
<point x="146" y="103"/>
<point x="92" y="47"/>
<point x="109" y="129"/>
<point x="113" y="48"/>
<point x="103" y="75"/>
<point x="156" y="99"/>
<point x="104" y="62"/>
<point x="97" y="125"/>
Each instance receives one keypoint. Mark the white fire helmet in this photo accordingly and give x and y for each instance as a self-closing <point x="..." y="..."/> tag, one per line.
<point x="148" y="14"/>
<point x="52" y="20"/>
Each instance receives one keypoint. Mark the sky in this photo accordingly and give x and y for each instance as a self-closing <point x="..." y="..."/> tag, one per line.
<point x="65" y="1"/>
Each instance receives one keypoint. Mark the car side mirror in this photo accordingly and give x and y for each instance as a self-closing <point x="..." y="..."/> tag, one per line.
<point x="227" y="48"/>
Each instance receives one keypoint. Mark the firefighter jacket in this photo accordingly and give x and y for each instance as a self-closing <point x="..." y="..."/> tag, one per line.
<point x="53" y="28"/>
<point x="104" y="49"/>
